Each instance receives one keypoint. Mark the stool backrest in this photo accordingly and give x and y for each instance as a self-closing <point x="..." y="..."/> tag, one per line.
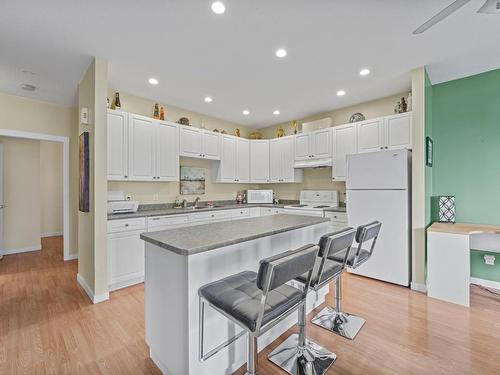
<point x="365" y="233"/>
<point x="332" y="243"/>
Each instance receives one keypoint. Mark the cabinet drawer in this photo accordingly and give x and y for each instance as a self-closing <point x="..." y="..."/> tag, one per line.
<point x="126" y="225"/>
<point x="265" y="211"/>
<point x="208" y="216"/>
<point x="161" y="221"/>
<point x="339" y="217"/>
<point x="240" y="213"/>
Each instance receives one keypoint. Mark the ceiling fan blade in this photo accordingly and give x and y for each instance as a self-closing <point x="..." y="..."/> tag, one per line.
<point x="490" y="7"/>
<point x="453" y="7"/>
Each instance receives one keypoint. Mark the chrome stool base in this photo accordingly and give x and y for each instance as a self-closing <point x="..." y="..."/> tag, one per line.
<point x="309" y="360"/>
<point x="342" y="324"/>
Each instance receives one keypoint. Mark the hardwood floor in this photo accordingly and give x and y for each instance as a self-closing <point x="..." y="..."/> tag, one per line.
<point x="49" y="326"/>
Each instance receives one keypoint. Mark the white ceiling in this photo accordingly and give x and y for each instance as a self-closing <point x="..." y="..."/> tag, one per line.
<point x="195" y="53"/>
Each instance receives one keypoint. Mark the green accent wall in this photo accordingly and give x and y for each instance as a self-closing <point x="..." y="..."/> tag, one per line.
<point x="465" y="127"/>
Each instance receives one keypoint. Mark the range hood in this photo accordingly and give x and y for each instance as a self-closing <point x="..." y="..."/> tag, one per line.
<point x="313" y="163"/>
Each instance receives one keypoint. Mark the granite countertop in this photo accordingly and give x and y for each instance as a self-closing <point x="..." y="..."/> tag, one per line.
<point x="180" y="211"/>
<point x="200" y="238"/>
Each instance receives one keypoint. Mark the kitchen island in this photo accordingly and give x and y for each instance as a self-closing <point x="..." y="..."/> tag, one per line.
<point x="180" y="261"/>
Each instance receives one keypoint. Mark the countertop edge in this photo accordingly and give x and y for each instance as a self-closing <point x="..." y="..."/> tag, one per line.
<point x="463" y="228"/>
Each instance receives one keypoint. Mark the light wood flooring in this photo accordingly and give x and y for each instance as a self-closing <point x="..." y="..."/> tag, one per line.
<point x="49" y="326"/>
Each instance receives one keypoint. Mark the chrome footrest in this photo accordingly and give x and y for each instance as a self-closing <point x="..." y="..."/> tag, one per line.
<point x="343" y="324"/>
<point x="309" y="360"/>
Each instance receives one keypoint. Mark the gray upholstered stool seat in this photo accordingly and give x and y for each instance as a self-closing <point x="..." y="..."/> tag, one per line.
<point x="362" y="257"/>
<point x="330" y="268"/>
<point x="239" y="296"/>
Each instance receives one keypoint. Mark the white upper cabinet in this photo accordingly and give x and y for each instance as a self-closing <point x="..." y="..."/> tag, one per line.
<point x="259" y="161"/>
<point x="385" y="133"/>
<point x="371" y="135"/>
<point x="167" y="151"/>
<point x="398" y="131"/>
<point x="313" y="145"/>
<point x="235" y="160"/>
<point x="199" y="143"/>
<point x="117" y="145"/>
<point x="142" y="144"/>
<point x="344" y="143"/>
<point x="282" y="152"/>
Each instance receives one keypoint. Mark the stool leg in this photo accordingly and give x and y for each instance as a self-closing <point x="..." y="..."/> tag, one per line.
<point x="343" y="324"/>
<point x="299" y="356"/>
<point x="253" y="353"/>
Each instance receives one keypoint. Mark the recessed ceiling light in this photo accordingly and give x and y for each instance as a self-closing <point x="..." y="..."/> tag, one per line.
<point x="218" y="7"/>
<point x="281" y="53"/>
<point x="28" y="87"/>
<point x="208" y="99"/>
<point x="153" y="81"/>
<point x="276" y="112"/>
<point x="364" y="72"/>
<point x="246" y="112"/>
<point x="340" y="93"/>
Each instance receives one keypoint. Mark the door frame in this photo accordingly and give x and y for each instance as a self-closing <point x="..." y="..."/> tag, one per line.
<point x="65" y="142"/>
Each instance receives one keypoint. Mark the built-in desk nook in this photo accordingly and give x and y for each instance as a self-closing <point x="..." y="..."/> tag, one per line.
<point x="448" y="257"/>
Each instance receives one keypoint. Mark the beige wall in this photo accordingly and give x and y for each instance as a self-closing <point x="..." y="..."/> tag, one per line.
<point x="418" y="178"/>
<point x="21" y="181"/>
<point x="51" y="188"/>
<point x="92" y="228"/>
<point x="24" y="114"/>
<point x="375" y="108"/>
<point x="146" y="192"/>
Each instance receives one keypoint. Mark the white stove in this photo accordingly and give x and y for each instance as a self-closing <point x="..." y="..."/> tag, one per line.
<point x="313" y="203"/>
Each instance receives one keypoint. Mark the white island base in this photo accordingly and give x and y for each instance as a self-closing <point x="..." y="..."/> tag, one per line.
<point x="171" y="302"/>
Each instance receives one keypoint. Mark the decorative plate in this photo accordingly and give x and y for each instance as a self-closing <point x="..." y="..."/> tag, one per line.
<point x="357" y="117"/>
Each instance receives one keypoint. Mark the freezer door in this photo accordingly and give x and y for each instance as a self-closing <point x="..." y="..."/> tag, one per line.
<point x="378" y="170"/>
<point x="391" y="257"/>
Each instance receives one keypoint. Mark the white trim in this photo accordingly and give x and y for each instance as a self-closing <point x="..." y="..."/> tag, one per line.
<point x="51" y="234"/>
<point x="126" y="283"/>
<point x="65" y="142"/>
<point x="422" y="288"/>
<point x="22" y="250"/>
<point x="72" y="256"/>
<point x="485" y="283"/>
<point x="95" y="299"/>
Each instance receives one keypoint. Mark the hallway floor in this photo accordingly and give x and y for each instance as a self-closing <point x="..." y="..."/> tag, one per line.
<point x="49" y="326"/>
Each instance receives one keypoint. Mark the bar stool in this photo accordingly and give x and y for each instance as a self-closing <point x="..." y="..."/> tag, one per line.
<point x="344" y="324"/>
<point x="257" y="302"/>
<point x="325" y="270"/>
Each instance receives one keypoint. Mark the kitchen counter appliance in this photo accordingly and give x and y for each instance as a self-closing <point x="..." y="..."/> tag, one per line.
<point x="117" y="204"/>
<point x="313" y="203"/>
<point x="260" y="196"/>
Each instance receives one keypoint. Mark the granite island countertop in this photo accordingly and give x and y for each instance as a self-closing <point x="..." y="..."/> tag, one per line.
<point x="181" y="211"/>
<point x="200" y="238"/>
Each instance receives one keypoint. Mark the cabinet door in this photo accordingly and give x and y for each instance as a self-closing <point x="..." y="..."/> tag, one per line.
<point x="371" y="135"/>
<point x="142" y="143"/>
<point x="242" y="160"/>
<point x="259" y="161"/>
<point x="275" y="155"/>
<point x="190" y="142"/>
<point x="227" y="171"/>
<point x="302" y="147"/>
<point x="321" y="143"/>
<point x="211" y="145"/>
<point x="167" y="152"/>
<point x="125" y="259"/>
<point x="117" y="145"/>
<point x="398" y="131"/>
<point x="287" y="160"/>
<point x="344" y="143"/>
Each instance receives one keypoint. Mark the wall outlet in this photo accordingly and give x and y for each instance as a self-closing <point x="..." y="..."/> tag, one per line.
<point x="489" y="260"/>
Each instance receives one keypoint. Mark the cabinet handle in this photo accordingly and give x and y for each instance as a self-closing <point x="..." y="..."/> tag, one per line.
<point x="381" y="148"/>
<point x="126" y="225"/>
<point x="386" y="147"/>
<point x="126" y="176"/>
<point x="213" y="215"/>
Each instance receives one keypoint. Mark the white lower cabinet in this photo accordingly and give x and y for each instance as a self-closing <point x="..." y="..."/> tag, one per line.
<point x="266" y="211"/>
<point x="338" y="219"/>
<point x="125" y="252"/>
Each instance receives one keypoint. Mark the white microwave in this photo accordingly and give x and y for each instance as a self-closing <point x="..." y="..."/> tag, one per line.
<point x="259" y="196"/>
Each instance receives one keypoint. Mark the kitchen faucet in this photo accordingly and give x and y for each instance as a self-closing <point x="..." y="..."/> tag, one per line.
<point x="196" y="202"/>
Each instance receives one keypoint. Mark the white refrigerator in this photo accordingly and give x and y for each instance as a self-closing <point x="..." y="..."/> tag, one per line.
<point x="378" y="188"/>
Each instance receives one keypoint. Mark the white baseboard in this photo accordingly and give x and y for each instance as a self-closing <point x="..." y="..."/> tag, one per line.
<point x="22" y="250"/>
<point x="51" y="234"/>
<point x="126" y="283"/>
<point x="90" y="293"/>
<point x="485" y="283"/>
<point x="72" y="256"/>
<point x="422" y="288"/>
